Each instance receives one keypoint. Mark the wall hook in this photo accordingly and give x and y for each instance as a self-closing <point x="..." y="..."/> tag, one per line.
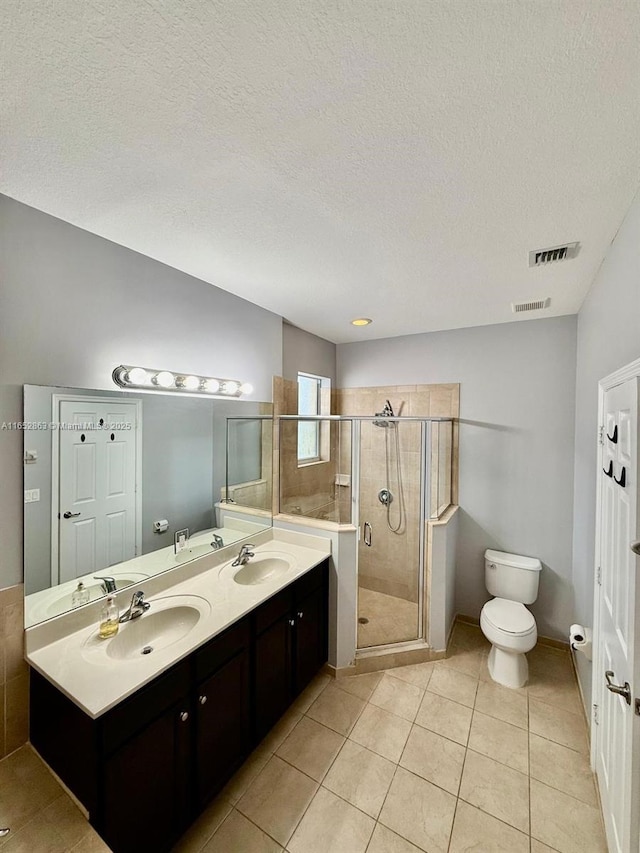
<point x="609" y="471"/>
<point x="613" y="438"/>
<point x="623" y="478"/>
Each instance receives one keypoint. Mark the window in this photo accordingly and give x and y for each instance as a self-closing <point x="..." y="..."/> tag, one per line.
<point x="309" y="388"/>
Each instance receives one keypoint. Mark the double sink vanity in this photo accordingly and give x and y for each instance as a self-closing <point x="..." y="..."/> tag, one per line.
<point x="146" y="727"/>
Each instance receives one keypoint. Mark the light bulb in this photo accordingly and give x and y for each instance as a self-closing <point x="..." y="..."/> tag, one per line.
<point x="230" y="387"/>
<point x="191" y="383"/>
<point x="246" y="388"/>
<point x="361" y="321"/>
<point x="138" y="376"/>
<point x="212" y="386"/>
<point x="165" y="379"/>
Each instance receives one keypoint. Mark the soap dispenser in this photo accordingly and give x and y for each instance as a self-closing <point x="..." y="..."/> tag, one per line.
<point x="109" y="616"/>
<point x="80" y="595"/>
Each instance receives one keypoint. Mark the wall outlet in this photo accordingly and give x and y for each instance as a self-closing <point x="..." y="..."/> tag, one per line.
<point x="31" y="496"/>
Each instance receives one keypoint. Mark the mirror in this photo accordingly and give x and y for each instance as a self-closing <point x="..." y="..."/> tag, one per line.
<point x="110" y="478"/>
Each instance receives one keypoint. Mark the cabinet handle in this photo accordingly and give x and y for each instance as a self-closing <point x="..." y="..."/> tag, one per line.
<point x="184" y="716"/>
<point x="202" y="700"/>
<point x="300" y="614"/>
<point x="292" y="622"/>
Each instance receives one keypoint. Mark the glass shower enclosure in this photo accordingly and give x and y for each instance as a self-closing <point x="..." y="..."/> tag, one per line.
<point x="388" y="476"/>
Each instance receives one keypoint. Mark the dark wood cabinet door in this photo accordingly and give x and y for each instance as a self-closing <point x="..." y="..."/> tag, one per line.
<point x="223" y="729"/>
<point x="146" y="786"/>
<point x="310" y="637"/>
<point x="273" y="674"/>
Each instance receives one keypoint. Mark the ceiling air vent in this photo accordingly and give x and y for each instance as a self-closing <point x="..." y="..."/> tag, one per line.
<point x="517" y="307"/>
<point x="540" y="257"/>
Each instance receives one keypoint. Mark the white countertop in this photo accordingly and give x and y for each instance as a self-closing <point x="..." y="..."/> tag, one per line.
<point x="68" y="653"/>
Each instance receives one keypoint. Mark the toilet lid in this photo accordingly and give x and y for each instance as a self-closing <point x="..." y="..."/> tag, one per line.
<point x="509" y="616"/>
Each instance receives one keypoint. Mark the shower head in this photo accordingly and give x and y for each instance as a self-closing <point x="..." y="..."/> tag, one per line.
<point x="387" y="412"/>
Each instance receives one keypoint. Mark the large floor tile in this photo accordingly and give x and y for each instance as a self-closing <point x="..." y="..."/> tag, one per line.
<point x="499" y="740"/>
<point x="398" y="697"/>
<point x="336" y="709"/>
<point x="277" y="799"/>
<point x="279" y="732"/>
<point x="560" y="726"/>
<point x="311" y="747"/>
<point x="564" y="823"/>
<point x="413" y="673"/>
<point x="505" y="704"/>
<point x="468" y="636"/>
<point x="309" y="695"/>
<point x="384" y="840"/>
<point x="244" y="776"/>
<point x="381" y="732"/>
<point x="360" y="777"/>
<point x="331" y="826"/>
<point x="453" y="685"/>
<point x="419" y="811"/>
<point x="435" y="758"/>
<point x="444" y="717"/>
<point x="201" y="831"/>
<point x="239" y="835"/>
<point x="562" y="768"/>
<point x="496" y="789"/>
<point x="360" y="685"/>
<point x="562" y="692"/>
<point x="27" y="788"/>
<point x="465" y="660"/>
<point x="546" y="661"/>
<point x="474" y="831"/>
<point x="539" y="847"/>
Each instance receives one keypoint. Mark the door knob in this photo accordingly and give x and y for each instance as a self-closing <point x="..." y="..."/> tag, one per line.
<point x="184" y="716"/>
<point x="635" y="547"/>
<point x="620" y="689"/>
<point x="71" y="514"/>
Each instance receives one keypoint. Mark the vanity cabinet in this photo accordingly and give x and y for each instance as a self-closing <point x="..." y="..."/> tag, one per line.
<point x="145" y="769"/>
<point x="290" y="647"/>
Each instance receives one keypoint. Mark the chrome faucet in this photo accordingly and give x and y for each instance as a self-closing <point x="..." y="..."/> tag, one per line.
<point x="108" y="584"/>
<point x="217" y="542"/>
<point x="244" y="556"/>
<point x="137" y="607"/>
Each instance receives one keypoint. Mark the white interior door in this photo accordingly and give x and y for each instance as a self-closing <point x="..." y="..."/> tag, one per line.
<point x="617" y="655"/>
<point x="97" y="486"/>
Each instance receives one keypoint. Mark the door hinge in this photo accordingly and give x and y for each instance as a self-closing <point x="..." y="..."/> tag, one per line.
<point x="601" y="434"/>
<point x="596" y="718"/>
<point x="599" y="576"/>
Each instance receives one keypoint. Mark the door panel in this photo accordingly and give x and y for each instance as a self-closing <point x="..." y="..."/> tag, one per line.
<point x="617" y="740"/>
<point x="97" y="486"/>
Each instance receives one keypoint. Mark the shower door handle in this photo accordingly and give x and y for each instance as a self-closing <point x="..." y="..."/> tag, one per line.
<point x="367" y="534"/>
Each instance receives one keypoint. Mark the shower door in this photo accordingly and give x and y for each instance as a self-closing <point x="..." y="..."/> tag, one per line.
<point x="391" y="513"/>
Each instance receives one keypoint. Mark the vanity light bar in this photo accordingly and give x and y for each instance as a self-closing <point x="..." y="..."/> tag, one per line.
<point x="146" y="379"/>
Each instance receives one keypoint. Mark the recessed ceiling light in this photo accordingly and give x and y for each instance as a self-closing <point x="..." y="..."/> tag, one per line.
<point x="361" y="321"/>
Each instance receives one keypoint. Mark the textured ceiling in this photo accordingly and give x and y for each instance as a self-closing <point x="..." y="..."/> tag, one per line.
<point x="389" y="158"/>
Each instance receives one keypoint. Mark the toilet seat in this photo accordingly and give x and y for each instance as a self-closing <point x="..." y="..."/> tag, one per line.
<point x="509" y="617"/>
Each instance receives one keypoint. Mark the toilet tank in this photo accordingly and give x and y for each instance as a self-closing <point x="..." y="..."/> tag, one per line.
<point x="512" y="576"/>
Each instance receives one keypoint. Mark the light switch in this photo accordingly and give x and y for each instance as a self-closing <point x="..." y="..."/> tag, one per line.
<point x="31" y="496"/>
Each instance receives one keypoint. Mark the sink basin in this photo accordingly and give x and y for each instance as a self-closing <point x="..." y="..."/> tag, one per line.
<point x="169" y="621"/>
<point x="191" y="553"/>
<point x="260" y="570"/>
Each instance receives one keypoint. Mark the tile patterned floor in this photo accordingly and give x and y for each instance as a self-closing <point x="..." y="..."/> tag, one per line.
<point x="390" y="619"/>
<point x="429" y="758"/>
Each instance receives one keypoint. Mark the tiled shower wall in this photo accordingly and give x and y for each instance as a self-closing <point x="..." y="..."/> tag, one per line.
<point x="389" y="566"/>
<point x="14" y="675"/>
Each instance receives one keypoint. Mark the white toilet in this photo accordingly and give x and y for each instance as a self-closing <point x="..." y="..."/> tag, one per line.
<point x="505" y="621"/>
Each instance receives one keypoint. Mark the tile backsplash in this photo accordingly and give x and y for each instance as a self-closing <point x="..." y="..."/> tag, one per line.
<point x="14" y="672"/>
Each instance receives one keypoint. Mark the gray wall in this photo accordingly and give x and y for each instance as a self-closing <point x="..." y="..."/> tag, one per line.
<point x="517" y="406"/>
<point x="608" y="338"/>
<point x="302" y="351"/>
<point x="73" y="306"/>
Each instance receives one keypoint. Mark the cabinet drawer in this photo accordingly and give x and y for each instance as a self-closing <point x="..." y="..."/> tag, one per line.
<point x="273" y="609"/>
<point x="308" y="583"/>
<point x="147" y="704"/>
<point x="222" y="648"/>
